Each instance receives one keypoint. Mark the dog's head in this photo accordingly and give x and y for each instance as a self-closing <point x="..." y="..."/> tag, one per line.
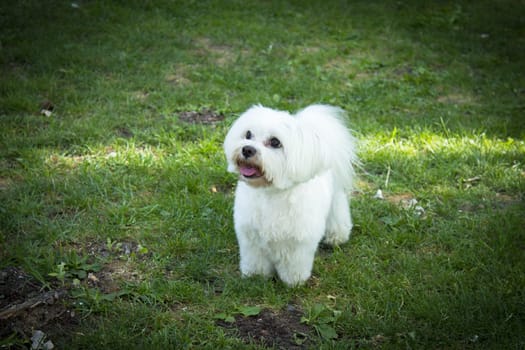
<point x="271" y="148"/>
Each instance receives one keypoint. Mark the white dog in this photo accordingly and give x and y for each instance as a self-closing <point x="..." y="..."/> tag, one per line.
<point x="294" y="172"/>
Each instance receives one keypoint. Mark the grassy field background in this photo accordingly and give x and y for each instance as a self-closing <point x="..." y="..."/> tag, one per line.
<point x="113" y="201"/>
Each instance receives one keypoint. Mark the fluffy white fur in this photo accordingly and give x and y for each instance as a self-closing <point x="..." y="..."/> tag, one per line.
<point x="294" y="175"/>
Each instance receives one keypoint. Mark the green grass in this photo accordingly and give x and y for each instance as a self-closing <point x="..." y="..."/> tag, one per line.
<point x="435" y="92"/>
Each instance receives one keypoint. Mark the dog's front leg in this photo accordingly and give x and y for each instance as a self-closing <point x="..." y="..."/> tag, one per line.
<point x="254" y="261"/>
<point x="295" y="265"/>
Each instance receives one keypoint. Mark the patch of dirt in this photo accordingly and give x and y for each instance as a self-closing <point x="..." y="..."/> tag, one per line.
<point x="110" y="277"/>
<point x="5" y="183"/>
<point x="404" y="70"/>
<point x="399" y="198"/>
<point x="140" y="95"/>
<point x="204" y="116"/>
<point x="124" y="132"/>
<point x="121" y="249"/>
<point x="25" y="306"/>
<point x="349" y="68"/>
<point x="180" y="76"/>
<point x="501" y="201"/>
<point x="504" y="200"/>
<point x="223" y="54"/>
<point x="406" y="201"/>
<point x="456" y="99"/>
<point x="47" y="105"/>
<point x="116" y="268"/>
<point x="280" y="330"/>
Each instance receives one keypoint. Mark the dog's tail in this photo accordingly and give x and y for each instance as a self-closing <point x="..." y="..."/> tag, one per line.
<point x="338" y="145"/>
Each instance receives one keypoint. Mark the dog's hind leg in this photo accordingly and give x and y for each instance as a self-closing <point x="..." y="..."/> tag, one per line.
<point x="339" y="222"/>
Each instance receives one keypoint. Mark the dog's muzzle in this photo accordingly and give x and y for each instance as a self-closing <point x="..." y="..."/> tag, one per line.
<point x="248" y="163"/>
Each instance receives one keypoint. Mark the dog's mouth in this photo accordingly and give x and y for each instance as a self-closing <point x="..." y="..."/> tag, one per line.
<point x="250" y="171"/>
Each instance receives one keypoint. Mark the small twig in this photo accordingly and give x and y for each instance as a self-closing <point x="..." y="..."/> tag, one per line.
<point x="14" y="309"/>
<point x="387" y="177"/>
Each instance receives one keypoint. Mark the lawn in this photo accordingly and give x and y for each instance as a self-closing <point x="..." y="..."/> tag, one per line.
<point x="116" y="208"/>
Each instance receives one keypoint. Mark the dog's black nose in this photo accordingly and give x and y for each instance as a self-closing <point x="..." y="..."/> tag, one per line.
<point x="248" y="151"/>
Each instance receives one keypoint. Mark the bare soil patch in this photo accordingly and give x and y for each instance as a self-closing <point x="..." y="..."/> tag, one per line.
<point x="204" y="116"/>
<point x="26" y="306"/>
<point x="222" y="55"/>
<point x="280" y="330"/>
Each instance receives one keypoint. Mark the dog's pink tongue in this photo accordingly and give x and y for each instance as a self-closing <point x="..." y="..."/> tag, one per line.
<point x="248" y="171"/>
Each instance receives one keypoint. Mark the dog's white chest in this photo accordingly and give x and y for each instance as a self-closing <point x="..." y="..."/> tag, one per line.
<point x="283" y="215"/>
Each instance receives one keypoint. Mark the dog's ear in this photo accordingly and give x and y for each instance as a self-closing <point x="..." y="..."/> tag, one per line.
<point x="306" y="156"/>
<point x="228" y="151"/>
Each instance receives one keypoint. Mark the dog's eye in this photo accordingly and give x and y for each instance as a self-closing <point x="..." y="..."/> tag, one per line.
<point x="275" y="143"/>
<point x="248" y="135"/>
